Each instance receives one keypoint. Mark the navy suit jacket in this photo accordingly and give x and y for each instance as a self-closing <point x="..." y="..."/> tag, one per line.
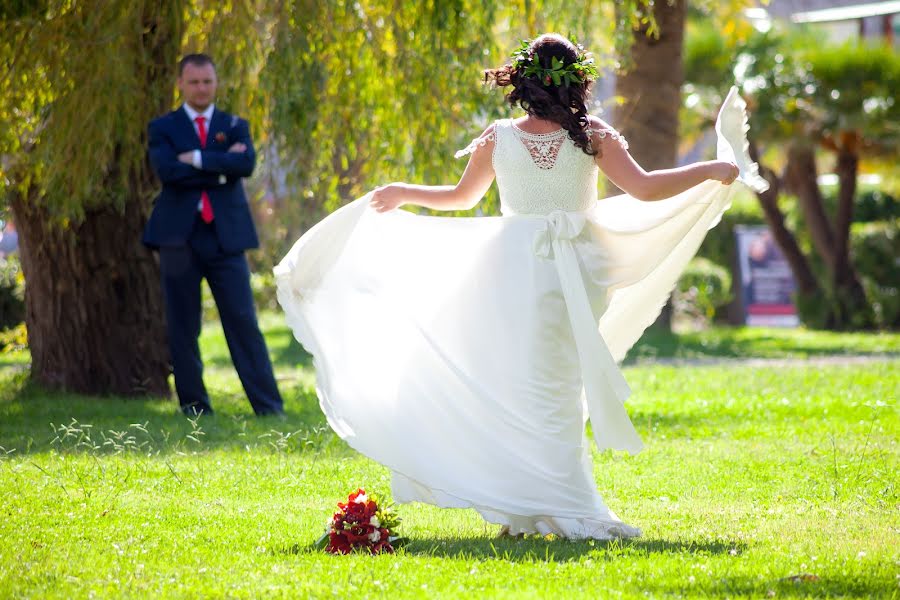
<point x="175" y="210"/>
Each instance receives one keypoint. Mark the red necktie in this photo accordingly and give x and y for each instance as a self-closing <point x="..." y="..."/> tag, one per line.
<point x="206" y="212"/>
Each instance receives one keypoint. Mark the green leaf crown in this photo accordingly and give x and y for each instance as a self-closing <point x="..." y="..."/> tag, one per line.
<point x="580" y="71"/>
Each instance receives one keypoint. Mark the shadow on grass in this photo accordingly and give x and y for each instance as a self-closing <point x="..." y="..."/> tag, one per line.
<point x="33" y="420"/>
<point x="537" y="548"/>
<point x="292" y="354"/>
<point x="733" y="343"/>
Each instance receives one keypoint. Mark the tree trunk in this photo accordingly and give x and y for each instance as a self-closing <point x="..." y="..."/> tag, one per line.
<point x="800" y="179"/>
<point x="849" y="306"/>
<point x="93" y="306"/>
<point x="846" y="168"/>
<point x="803" y="274"/>
<point x="855" y="308"/>
<point x="652" y="92"/>
<point x="93" y="303"/>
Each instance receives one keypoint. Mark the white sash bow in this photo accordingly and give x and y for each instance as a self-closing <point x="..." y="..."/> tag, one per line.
<point x="604" y="386"/>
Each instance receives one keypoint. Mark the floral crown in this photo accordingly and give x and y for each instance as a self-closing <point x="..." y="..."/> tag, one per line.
<point x="580" y="71"/>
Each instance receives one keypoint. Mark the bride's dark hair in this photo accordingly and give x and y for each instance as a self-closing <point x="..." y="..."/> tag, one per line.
<point x="563" y="104"/>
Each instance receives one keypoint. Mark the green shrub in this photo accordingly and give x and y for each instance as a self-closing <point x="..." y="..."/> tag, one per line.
<point x="703" y="288"/>
<point x="874" y="247"/>
<point x="14" y="339"/>
<point x="263" y="285"/>
<point x="12" y="292"/>
<point x="871" y="204"/>
<point x="875" y="251"/>
<point x="875" y="205"/>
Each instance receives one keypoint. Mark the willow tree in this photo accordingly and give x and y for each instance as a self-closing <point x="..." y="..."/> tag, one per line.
<point x="363" y="93"/>
<point x="649" y="88"/>
<point x="79" y="188"/>
<point x="81" y="81"/>
<point x="649" y="85"/>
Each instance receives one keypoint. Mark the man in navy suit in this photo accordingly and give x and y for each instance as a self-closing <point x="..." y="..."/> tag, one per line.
<point x="201" y="225"/>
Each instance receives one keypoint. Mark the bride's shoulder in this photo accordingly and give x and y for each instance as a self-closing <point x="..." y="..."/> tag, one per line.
<point x="595" y="123"/>
<point x="599" y="130"/>
<point x="485" y="140"/>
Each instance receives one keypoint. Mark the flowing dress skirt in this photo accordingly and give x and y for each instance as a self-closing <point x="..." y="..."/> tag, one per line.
<point x="465" y="354"/>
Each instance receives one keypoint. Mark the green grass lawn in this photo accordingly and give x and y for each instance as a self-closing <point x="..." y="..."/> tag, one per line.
<point x="771" y="481"/>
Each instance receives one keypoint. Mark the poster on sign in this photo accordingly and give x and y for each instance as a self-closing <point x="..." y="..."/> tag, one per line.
<point x="767" y="284"/>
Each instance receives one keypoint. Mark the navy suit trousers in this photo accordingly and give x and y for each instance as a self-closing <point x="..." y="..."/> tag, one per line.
<point x="228" y="275"/>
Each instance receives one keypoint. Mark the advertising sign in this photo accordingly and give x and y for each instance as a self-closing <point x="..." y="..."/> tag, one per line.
<point x="767" y="285"/>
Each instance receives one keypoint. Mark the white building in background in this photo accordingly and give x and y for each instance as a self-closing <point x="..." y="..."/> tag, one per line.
<point x="841" y="20"/>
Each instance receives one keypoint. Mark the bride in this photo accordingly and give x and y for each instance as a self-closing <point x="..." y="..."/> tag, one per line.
<point x="466" y="354"/>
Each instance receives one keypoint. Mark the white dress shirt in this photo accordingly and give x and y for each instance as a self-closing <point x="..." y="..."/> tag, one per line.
<point x="192" y="114"/>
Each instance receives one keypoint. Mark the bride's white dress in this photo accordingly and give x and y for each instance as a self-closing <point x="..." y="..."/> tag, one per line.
<point x="465" y="354"/>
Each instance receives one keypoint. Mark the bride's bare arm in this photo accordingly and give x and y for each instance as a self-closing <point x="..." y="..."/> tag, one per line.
<point x="473" y="184"/>
<point x="622" y="170"/>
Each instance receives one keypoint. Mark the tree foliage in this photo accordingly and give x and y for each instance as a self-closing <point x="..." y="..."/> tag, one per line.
<point x="75" y="109"/>
<point x="364" y="93"/>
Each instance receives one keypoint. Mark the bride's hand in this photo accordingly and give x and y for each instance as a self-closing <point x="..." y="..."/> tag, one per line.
<point x="724" y="171"/>
<point x="387" y="197"/>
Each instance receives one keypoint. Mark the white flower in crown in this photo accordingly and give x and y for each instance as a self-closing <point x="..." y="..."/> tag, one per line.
<point x="374" y="521"/>
<point x="361" y="499"/>
<point x="375" y="536"/>
<point x="329" y="523"/>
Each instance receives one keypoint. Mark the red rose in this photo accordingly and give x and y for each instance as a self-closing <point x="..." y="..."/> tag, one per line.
<point x="357" y="535"/>
<point x="338" y="544"/>
<point x="220" y="137"/>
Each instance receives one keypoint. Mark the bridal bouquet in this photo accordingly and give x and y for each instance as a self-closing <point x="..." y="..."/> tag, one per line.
<point x="361" y="523"/>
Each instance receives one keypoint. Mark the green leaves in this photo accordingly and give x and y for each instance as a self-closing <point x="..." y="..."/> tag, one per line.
<point x="805" y="87"/>
<point x="558" y="73"/>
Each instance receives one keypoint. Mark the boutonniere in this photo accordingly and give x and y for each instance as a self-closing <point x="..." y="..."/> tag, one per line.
<point x="220" y="137"/>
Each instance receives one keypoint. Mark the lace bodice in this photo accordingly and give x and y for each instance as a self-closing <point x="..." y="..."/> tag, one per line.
<point x="541" y="173"/>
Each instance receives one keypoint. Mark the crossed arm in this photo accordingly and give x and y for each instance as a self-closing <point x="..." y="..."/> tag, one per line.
<point x="178" y="169"/>
<point x="238" y="161"/>
<point x="614" y="160"/>
<point x="169" y="168"/>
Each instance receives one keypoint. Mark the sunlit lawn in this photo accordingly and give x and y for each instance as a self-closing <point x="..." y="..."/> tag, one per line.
<point x="764" y="481"/>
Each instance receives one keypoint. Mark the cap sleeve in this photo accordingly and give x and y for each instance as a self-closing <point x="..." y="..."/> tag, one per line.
<point x="482" y="140"/>
<point x="604" y="132"/>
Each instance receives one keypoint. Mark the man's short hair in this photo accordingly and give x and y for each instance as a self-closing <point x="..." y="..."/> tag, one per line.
<point x="198" y="60"/>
